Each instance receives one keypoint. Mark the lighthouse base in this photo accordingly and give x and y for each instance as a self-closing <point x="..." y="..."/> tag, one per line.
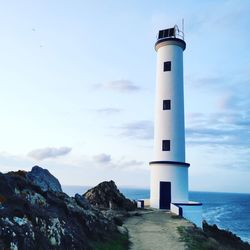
<point x="169" y="184"/>
<point x="169" y="190"/>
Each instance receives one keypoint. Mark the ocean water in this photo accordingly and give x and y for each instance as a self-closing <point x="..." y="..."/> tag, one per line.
<point x="230" y="211"/>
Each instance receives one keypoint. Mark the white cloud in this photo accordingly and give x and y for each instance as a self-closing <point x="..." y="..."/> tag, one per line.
<point x="102" y="158"/>
<point x="129" y="164"/>
<point x="49" y="152"/>
<point x="138" y="129"/>
<point x="108" y="111"/>
<point x="121" y="163"/>
<point x="219" y="129"/>
<point x="120" y="86"/>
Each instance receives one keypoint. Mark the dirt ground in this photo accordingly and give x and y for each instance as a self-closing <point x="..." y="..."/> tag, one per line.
<point x="155" y="229"/>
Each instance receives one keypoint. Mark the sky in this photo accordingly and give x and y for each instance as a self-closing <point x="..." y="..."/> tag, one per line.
<point x="78" y="89"/>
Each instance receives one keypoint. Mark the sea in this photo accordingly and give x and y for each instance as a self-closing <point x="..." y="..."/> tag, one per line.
<point x="230" y="211"/>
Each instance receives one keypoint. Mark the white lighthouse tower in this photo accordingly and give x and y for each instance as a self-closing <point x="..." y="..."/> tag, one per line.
<point x="169" y="170"/>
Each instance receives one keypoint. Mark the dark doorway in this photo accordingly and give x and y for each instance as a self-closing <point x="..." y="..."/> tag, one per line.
<point x="165" y="194"/>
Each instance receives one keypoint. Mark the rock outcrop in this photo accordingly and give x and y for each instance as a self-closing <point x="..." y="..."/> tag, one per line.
<point x="106" y="195"/>
<point x="34" y="214"/>
<point x="44" y="179"/>
<point x="212" y="238"/>
<point x="225" y="238"/>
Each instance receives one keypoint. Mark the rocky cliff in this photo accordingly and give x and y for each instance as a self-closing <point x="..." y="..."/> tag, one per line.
<point x="44" y="179"/>
<point x="211" y="238"/>
<point x="106" y="195"/>
<point x="35" y="214"/>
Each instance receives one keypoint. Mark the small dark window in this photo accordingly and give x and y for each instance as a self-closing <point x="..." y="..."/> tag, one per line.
<point x="166" y="104"/>
<point x="167" y="66"/>
<point x="166" y="145"/>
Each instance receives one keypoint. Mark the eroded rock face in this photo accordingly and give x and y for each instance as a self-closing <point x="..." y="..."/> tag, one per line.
<point x="106" y="195"/>
<point x="44" y="179"/>
<point x="31" y="218"/>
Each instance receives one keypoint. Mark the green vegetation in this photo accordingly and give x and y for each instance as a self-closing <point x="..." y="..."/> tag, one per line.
<point x="196" y="239"/>
<point x="118" y="242"/>
<point x="211" y="238"/>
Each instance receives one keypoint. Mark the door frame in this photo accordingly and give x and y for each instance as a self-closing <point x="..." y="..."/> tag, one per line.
<point x="164" y="194"/>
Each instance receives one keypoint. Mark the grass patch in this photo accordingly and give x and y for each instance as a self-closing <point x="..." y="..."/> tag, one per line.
<point x="118" y="242"/>
<point x="211" y="238"/>
<point x="196" y="239"/>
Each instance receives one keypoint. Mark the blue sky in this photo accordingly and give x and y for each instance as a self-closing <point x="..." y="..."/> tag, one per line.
<point x="78" y="87"/>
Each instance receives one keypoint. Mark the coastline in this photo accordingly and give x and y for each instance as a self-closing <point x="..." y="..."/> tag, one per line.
<point x="36" y="213"/>
<point x="154" y="229"/>
<point x="218" y="207"/>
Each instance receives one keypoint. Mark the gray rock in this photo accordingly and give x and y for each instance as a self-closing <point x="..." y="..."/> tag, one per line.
<point x="31" y="218"/>
<point x="82" y="202"/>
<point x="44" y="179"/>
<point x="106" y="195"/>
<point x="123" y="230"/>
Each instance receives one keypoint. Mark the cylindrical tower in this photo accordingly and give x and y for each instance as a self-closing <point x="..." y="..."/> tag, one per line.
<point x="169" y="171"/>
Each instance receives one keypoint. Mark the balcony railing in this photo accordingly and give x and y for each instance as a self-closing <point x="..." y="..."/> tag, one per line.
<point x="171" y="33"/>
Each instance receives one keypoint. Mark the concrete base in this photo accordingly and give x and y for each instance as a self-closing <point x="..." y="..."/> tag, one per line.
<point x="191" y="211"/>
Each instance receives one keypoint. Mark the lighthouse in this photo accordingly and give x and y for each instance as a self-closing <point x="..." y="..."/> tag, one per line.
<point x="169" y="169"/>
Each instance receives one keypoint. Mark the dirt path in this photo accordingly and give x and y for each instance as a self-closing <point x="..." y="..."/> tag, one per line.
<point x="155" y="230"/>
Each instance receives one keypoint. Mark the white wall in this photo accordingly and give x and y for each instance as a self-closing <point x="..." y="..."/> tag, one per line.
<point x="174" y="209"/>
<point x="176" y="174"/>
<point x="169" y="124"/>
<point x="193" y="214"/>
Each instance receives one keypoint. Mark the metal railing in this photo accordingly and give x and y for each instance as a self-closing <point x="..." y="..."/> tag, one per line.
<point x="177" y="33"/>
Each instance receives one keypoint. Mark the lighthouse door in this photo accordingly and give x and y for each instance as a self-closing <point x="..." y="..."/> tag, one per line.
<point x="165" y="194"/>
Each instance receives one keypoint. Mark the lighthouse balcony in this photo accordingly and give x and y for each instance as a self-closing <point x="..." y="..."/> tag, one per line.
<point x="174" y="32"/>
<point x="170" y="36"/>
